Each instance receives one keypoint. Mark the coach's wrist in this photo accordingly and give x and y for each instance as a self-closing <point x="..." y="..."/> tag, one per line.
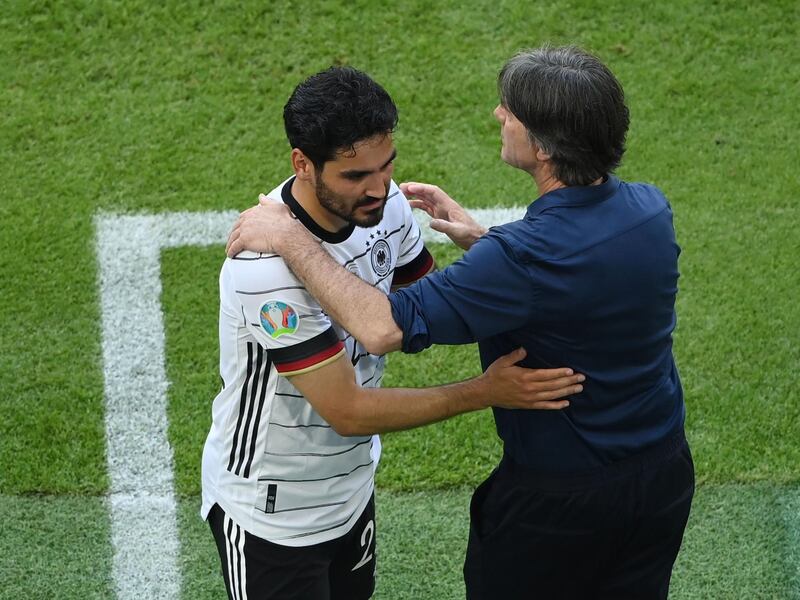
<point x="289" y="234"/>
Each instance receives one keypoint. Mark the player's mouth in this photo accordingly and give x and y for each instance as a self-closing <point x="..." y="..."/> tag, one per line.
<point x="370" y="204"/>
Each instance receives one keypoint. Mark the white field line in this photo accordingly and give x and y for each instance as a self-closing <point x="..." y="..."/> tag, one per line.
<point x="142" y="497"/>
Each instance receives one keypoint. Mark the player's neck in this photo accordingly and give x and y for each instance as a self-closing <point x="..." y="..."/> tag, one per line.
<point x="306" y="197"/>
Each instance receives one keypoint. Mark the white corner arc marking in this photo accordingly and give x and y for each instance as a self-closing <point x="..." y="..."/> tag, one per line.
<point x="142" y="503"/>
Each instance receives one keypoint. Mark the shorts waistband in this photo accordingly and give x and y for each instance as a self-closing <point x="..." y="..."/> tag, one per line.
<point x="652" y="456"/>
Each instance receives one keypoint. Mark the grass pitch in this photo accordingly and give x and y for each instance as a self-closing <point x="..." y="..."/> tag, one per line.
<point x="137" y="107"/>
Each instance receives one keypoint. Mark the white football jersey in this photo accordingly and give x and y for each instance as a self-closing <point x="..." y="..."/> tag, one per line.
<point x="271" y="461"/>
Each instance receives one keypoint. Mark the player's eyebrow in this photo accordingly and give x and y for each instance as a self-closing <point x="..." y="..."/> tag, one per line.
<point x="355" y="174"/>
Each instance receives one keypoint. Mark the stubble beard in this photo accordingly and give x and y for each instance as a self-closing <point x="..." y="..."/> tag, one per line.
<point x="336" y="205"/>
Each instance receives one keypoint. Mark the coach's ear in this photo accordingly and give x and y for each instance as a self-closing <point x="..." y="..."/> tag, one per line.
<point x="303" y="167"/>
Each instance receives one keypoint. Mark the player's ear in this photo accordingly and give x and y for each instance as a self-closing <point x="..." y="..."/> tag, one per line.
<point x="303" y="167"/>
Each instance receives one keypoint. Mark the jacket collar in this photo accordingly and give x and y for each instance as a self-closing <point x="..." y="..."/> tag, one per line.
<point x="577" y="195"/>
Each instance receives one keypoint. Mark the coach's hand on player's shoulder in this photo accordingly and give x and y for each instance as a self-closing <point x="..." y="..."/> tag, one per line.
<point x="447" y="215"/>
<point x="512" y="386"/>
<point x="259" y="229"/>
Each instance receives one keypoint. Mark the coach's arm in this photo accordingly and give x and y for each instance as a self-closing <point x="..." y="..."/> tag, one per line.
<point x="353" y="410"/>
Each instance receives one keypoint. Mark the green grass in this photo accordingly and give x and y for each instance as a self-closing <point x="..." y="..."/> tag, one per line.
<point x="734" y="546"/>
<point x="55" y="547"/>
<point x="137" y="107"/>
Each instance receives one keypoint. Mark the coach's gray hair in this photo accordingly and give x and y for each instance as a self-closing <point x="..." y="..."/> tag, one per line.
<point x="573" y="108"/>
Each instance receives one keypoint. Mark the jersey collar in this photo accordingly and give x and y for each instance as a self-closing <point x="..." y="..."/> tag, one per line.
<point x="578" y="195"/>
<point x="310" y="224"/>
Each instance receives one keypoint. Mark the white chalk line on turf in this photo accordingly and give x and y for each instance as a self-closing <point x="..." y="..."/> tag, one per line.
<point x="142" y="497"/>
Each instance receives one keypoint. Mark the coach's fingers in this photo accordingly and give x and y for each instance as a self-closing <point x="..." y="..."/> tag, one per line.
<point x="554" y="384"/>
<point x="235" y="247"/>
<point x="263" y="200"/>
<point x="232" y="237"/>
<point x="559" y="393"/>
<point x="421" y="205"/>
<point x="512" y="358"/>
<point x="550" y="405"/>
<point x="547" y="374"/>
<point x="425" y="191"/>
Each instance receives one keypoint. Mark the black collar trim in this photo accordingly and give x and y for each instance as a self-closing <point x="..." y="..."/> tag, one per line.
<point x="310" y="224"/>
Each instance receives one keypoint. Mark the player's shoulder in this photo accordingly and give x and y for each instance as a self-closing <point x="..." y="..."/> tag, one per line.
<point x="397" y="207"/>
<point x="248" y="271"/>
<point x="247" y="265"/>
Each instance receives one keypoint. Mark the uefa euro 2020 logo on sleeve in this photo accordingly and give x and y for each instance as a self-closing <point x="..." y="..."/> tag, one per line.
<point x="278" y="318"/>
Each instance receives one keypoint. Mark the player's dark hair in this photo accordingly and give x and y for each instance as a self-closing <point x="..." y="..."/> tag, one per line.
<point x="335" y="109"/>
<point x="573" y="108"/>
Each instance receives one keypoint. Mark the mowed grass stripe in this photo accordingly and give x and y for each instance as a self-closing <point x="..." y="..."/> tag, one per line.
<point x="55" y="547"/>
<point x="791" y="517"/>
<point x="736" y="546"/>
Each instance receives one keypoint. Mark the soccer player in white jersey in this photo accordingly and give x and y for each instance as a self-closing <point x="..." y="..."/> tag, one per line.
<point x="289" y="462"/>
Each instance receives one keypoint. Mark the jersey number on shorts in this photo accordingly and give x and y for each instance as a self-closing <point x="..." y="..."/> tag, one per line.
<point x="366" y="542"/>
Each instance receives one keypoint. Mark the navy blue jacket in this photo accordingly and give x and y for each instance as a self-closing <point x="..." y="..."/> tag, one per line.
<point x="587" y="279"/>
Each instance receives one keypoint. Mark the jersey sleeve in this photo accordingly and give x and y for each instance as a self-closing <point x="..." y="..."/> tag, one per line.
<point x="485" y="293"/>
<point x="414" y="260"/>
<point x="282" y="316"/>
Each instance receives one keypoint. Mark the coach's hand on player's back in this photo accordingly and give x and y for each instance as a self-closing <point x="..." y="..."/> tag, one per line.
<point x="447" y="215"/>
<point x="259" y="229"/>
<point x="512" y="386"/>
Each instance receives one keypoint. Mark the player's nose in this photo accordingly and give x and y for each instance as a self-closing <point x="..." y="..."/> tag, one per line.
<point x="376" y="186"/>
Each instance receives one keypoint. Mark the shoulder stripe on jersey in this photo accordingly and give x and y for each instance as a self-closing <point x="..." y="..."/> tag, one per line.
<point x="414" y="270"/>
<point x="350" y="472"/>
<point x="242" y="403"/>
<point x="320" y="425"/>
<point x="247" y="433"/>
<point x="257" y="421"/>
<point x="413" y="246"/>
<point x="391" y="233"/>
<point x="357" y="357"/>
<point x="368" y="250"/>
<point x="259" y="257"/>
<point x="310" y="507"/>
<point x="278" y="289"/>
<point x="345" y="451"/>
<point x="410" y="229"/>
<point x="378" y="282"/>
<point x="287" y="394"/>
<point x="355" y="258"/>
<point x="248" y="421"/>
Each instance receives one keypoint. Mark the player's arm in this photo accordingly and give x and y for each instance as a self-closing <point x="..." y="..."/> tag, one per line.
<point x="423" y="264"/>
<point x="361" y="309"/>
<point x="352" y="410"/>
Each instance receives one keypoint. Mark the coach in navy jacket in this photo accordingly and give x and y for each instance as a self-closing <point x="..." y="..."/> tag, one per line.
<point x="587" y="279"/>
<point x="590" y="501"/>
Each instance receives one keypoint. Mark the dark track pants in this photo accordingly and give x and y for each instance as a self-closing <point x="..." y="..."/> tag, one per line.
<point x="613" y="534"/>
